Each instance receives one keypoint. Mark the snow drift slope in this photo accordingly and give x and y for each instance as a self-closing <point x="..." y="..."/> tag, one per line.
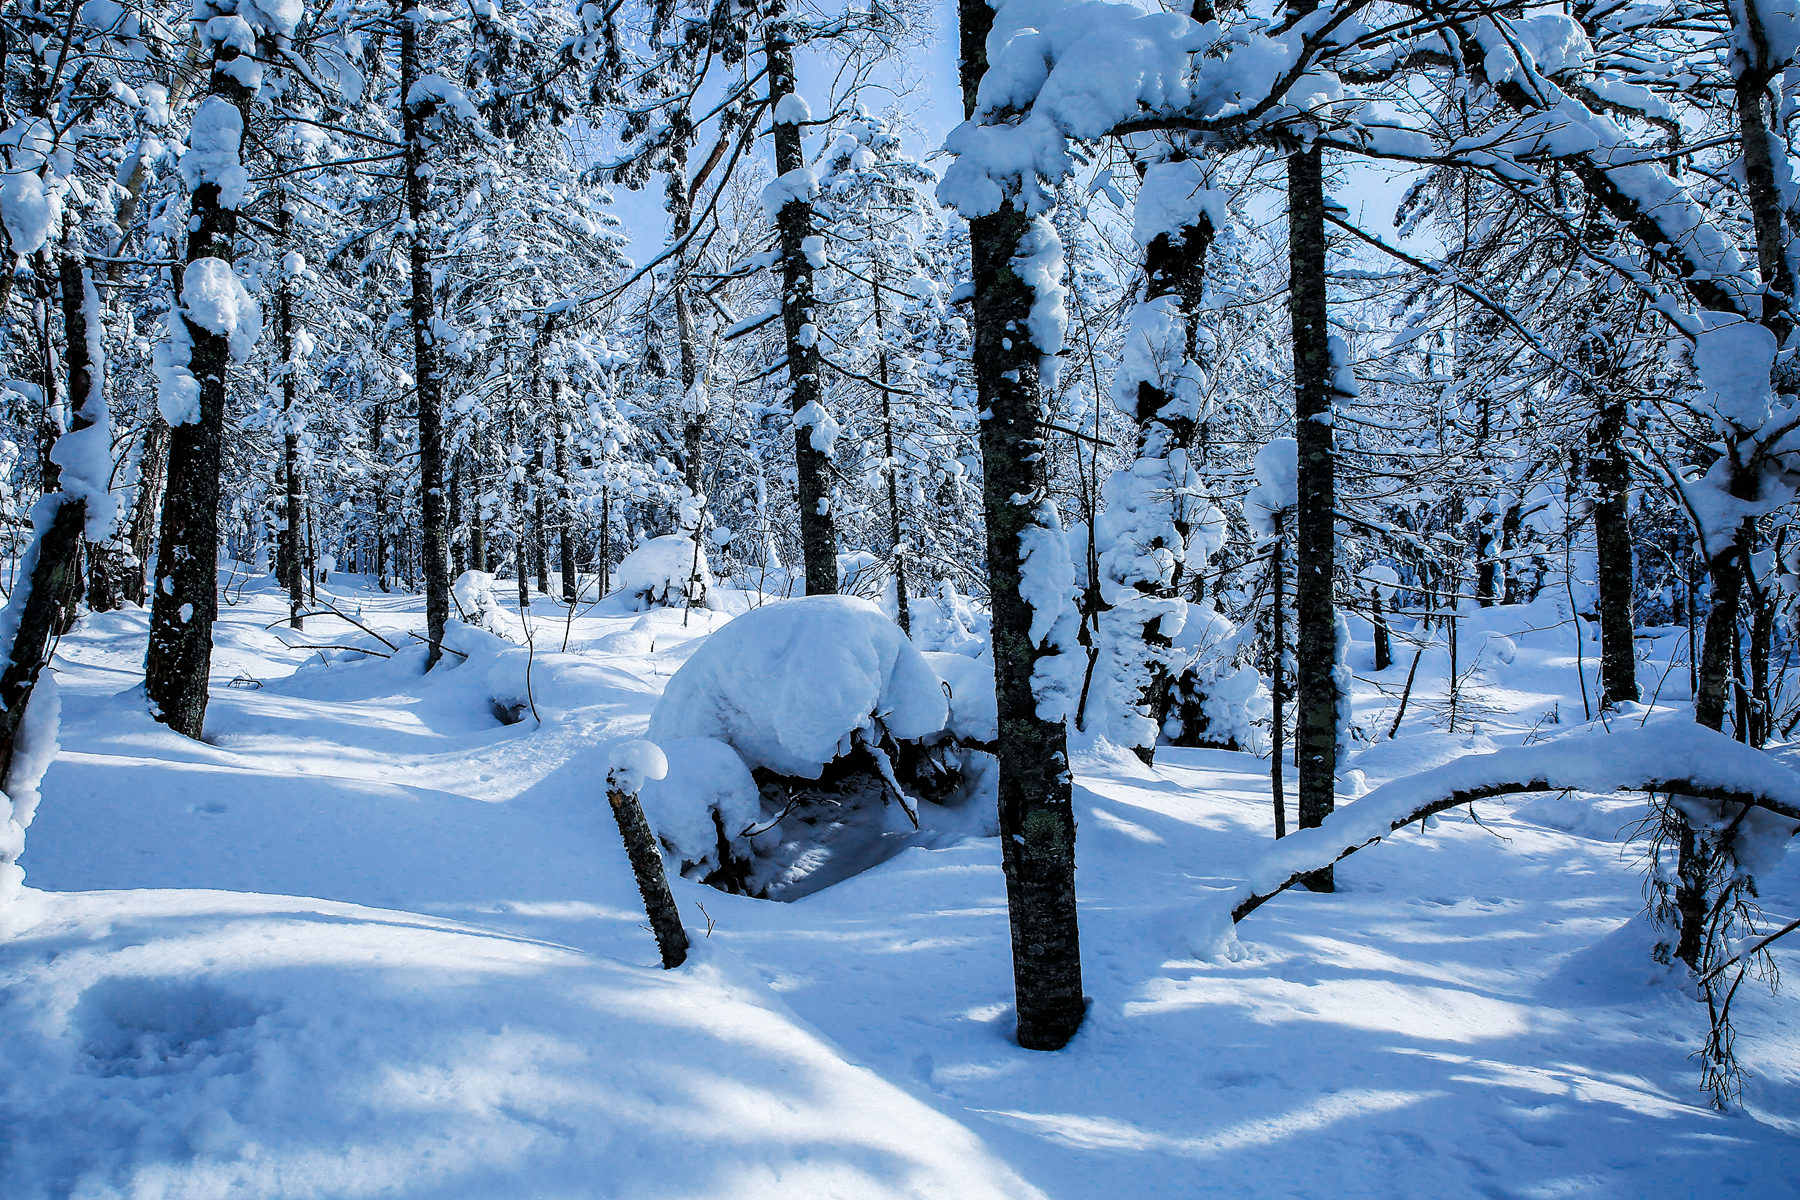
<point x="1467" y="1017"/>
<point x="220" y="1044"/>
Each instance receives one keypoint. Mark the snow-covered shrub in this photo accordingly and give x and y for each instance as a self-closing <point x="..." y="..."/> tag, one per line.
<point x="656" y="574"/>
<point x="473" y="592"/>
<point x="791" y="685"/>
<point x="949" y="621"/>
<point x="1218" y="700"/>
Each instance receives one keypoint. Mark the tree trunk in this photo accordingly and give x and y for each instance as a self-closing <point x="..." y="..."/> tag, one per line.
<point x="458" y="545"/>
<point x="896" y="538"/>
<point x="1315" y="614"/>
<point x="290" y="439"/>
<point x="653" y="884"/>
<point x="1278" y="680"/>
<point x="184" y="604"/>
<point x="565" y="508"/>
<point x="153" y="470"/>
<point x="1384" y="641"/>
<point x="818" y="527"/>
<point x="427" y="382"/>
<point x="1037" y="821"/>
<point x="1611" y="474"/>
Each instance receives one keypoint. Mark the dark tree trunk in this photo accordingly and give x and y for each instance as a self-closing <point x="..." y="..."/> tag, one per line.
<point x="681" y="217"/>
<point x="1725" y="567"/>
<point x="565" y="509"/>
<point x="185" y="603"/>
<point x="818" y="527"/>
<point x="1278" y="679"/>
<point x="1384" y="641"/>
<point x="1487" y="573"/>
<point x="653" y="884"/>
<point x="434" y="563"/>
<point x="1037" y="821"/>
<point x="53" y="562"/>
<point x="1611" y="474"/>
<point x="1315" y="613"/>
<point x="540" y="536"/>
<point x="290" y="441"/>
<point x="377" y="436"/>
<point x="896" y="537"/>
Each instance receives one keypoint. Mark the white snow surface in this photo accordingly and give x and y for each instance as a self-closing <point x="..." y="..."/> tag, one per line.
<point x="657" y="572"/>
<point x="366" y="940"/>
<point x="789" y="685"/>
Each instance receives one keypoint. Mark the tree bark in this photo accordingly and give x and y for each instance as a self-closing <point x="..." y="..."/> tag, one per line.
<point x="153" y="469"/>
<point x="565" y="508"/>
<point x="1611" y="473"/>
<point x="290" y="439"/>
<point x="52" y="564"/>
<point x="796" y="220"/>
<point x="427" y="382"/>
<point x="1278" y="680"/>
<point x="184" y="603"/>
<point x="1037" y="821"/>
<point x="1315" y="550"/>
<point x="652" y="883"/>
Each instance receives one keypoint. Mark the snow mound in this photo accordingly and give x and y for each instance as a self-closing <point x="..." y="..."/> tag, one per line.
<point x="790" y="685"/>
<point x="657" y="572"/>
<point x="198" y="1044"/>
<point x="702" y="807"/>
<point x="974" y="714"/>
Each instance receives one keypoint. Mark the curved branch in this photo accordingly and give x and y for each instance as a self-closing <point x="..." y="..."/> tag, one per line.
<point x="1672" y="755"/>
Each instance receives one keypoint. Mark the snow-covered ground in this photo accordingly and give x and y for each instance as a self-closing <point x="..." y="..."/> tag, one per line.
<point x="369" y="940"/>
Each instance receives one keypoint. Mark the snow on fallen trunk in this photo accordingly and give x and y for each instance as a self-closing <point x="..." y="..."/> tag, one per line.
<point x="1671" y="755"/>
<point x="789" y="686"/>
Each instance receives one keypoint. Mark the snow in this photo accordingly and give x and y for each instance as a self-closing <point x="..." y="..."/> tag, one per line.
<point x="969" y="684"/>
<point x="26" y="210"/>
<point x="84" y="455"/>
<point x="632" y="764"/>
<point x="1175" y="196"/>
<point x="1047" y="586"/>
<point x="438" y="94"/>
<point x="1734" y="358"/>
<point x="799" y="185"/>
<point x="1277" y="489"/>
<point x="1039" y="265"/>
<point x="212" y="156"/>
<point x="790" y="685"/>
<point x="792" y="109"/>
<point x="657" y="573"/>
<point x="367" y="940"/>
<point x="214" y="298"/>
<point x="706" y="791"/>
<point x="32" y="756"/>
<point x="1598" y="759"/>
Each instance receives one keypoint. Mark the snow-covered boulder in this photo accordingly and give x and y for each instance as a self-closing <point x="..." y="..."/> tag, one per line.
<point x="790" y="685"/>
<point x="657" y="573"/>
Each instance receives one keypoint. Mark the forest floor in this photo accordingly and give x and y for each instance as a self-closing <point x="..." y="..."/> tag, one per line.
<point x="369" y="941"/>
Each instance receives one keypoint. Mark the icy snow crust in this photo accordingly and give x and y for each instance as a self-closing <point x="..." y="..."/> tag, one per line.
<point x="371" y="941"/>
